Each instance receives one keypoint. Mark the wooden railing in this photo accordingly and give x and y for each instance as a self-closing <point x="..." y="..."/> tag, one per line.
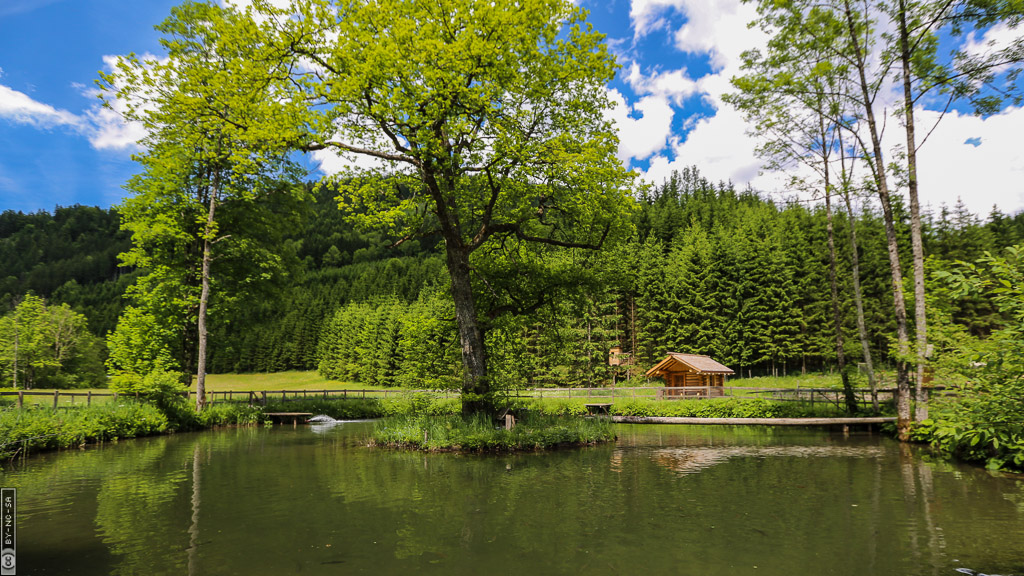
<point x="69" y="398"/>
<point x="832" y="396"/>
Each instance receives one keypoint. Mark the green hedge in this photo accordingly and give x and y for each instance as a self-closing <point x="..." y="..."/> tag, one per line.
<point x="723" y="408"/>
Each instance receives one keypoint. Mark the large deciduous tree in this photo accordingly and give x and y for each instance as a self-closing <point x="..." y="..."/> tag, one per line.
<point x="483" y="122"/>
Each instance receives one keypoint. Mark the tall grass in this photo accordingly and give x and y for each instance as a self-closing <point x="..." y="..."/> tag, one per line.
<point x="479" y="434"/>
<point x="35" y="429"/>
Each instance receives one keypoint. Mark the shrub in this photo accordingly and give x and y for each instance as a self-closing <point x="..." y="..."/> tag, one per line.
<point x="160" y="387"/>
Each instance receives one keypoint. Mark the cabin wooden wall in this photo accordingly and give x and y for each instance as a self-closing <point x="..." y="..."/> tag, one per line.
<point x="675" y="379"/>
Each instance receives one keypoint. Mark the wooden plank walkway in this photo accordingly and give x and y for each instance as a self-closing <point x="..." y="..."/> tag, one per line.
<point x="284" y="416"/>
<point x="752" y="421"/>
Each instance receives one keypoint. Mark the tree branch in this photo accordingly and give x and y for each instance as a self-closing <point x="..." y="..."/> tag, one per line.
<point x="364" y="151"/>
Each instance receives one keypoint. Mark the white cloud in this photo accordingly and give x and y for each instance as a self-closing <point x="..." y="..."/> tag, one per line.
<point x="109" y="130"/>
<point x="20" y="108"/>
<point x="990" y="173"/>
<point x="105" y="127"/>
<point x="331" y="162"/>
<point x="996" y="38"/>
<point x="720" y="30"/>
<point x="674" y="85"/>
<point x="643" y="136"/>
<point x="718" y="146"/>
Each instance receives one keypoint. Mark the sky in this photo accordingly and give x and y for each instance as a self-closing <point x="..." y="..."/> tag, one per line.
<point x="59" y="147"/>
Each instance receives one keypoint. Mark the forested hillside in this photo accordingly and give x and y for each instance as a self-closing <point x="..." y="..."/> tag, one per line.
<point x="69" y="256"/>
<point x="709" y="270"/>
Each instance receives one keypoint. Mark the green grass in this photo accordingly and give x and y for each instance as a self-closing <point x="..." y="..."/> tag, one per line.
<point x="533" y="432"/>
<point x="794" y="381"/>
<point x="293" y="380"/>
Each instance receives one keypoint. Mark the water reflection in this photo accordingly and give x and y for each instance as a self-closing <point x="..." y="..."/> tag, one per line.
<point x="663" y="501"/>
<point x="692" y="459"/>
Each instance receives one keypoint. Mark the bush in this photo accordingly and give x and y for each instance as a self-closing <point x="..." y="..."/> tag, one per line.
<point x="160" y="387"/>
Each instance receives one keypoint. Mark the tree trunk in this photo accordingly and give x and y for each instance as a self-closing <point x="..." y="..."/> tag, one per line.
<point x="858" y="300"/>
<point x="920" y="320"/>
<point x="837" y="316"/>
<point x="204" y="299"/>
<point x="899" y="306"/>
<point x="17" y="332"/>
<point x="476" y="391"/>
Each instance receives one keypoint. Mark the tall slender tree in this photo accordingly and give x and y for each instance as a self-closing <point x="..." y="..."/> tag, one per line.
<point x="219" y="130"/>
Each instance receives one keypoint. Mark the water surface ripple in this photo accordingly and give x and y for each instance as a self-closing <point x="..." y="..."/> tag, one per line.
<point x="662" y="500"/>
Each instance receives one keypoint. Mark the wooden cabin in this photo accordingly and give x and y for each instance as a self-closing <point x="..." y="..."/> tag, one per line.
<point x="690" y="375"/>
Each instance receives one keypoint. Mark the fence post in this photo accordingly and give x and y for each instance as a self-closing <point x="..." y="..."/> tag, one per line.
<point x="56" y="397"/>
<point x="264" y="393"/>
<point x="88" y="398"/>
<point x="21" y="399"/>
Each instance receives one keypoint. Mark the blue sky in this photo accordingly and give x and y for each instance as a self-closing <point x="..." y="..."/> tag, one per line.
<point x="57" y="147"/>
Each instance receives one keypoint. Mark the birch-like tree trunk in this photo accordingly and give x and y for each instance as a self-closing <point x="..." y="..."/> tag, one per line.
<point x="879" y="173"/>
<point x="920" y="320"/>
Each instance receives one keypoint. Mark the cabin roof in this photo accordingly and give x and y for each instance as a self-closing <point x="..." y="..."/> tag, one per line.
<point x="696" y="363"/>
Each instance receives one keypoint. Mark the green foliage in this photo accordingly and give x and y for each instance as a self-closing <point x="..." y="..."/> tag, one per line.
<point x="689" y="293"/>
<point x="216" y="165"/>
<point x="985" y="422"/>
<point x="69" y="257"/>
<point x="34" y="429"/>
<point x="722" y="408"/>
<point x="161" y="387"/>
<point x="392" y="344"/>
<point x="479" y="434"/>
<point x="48" y="346"/>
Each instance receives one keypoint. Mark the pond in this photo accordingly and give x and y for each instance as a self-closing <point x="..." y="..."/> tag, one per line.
<point x="662" y="500"/>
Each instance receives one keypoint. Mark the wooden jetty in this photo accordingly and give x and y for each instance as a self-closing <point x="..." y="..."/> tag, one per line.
<point x="753" y="421"/>
<point x="284" y="416"/>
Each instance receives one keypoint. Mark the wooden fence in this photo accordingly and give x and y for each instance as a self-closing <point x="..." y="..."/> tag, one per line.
<point x="833" y="396"/>
<point x="66" y="398"/>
